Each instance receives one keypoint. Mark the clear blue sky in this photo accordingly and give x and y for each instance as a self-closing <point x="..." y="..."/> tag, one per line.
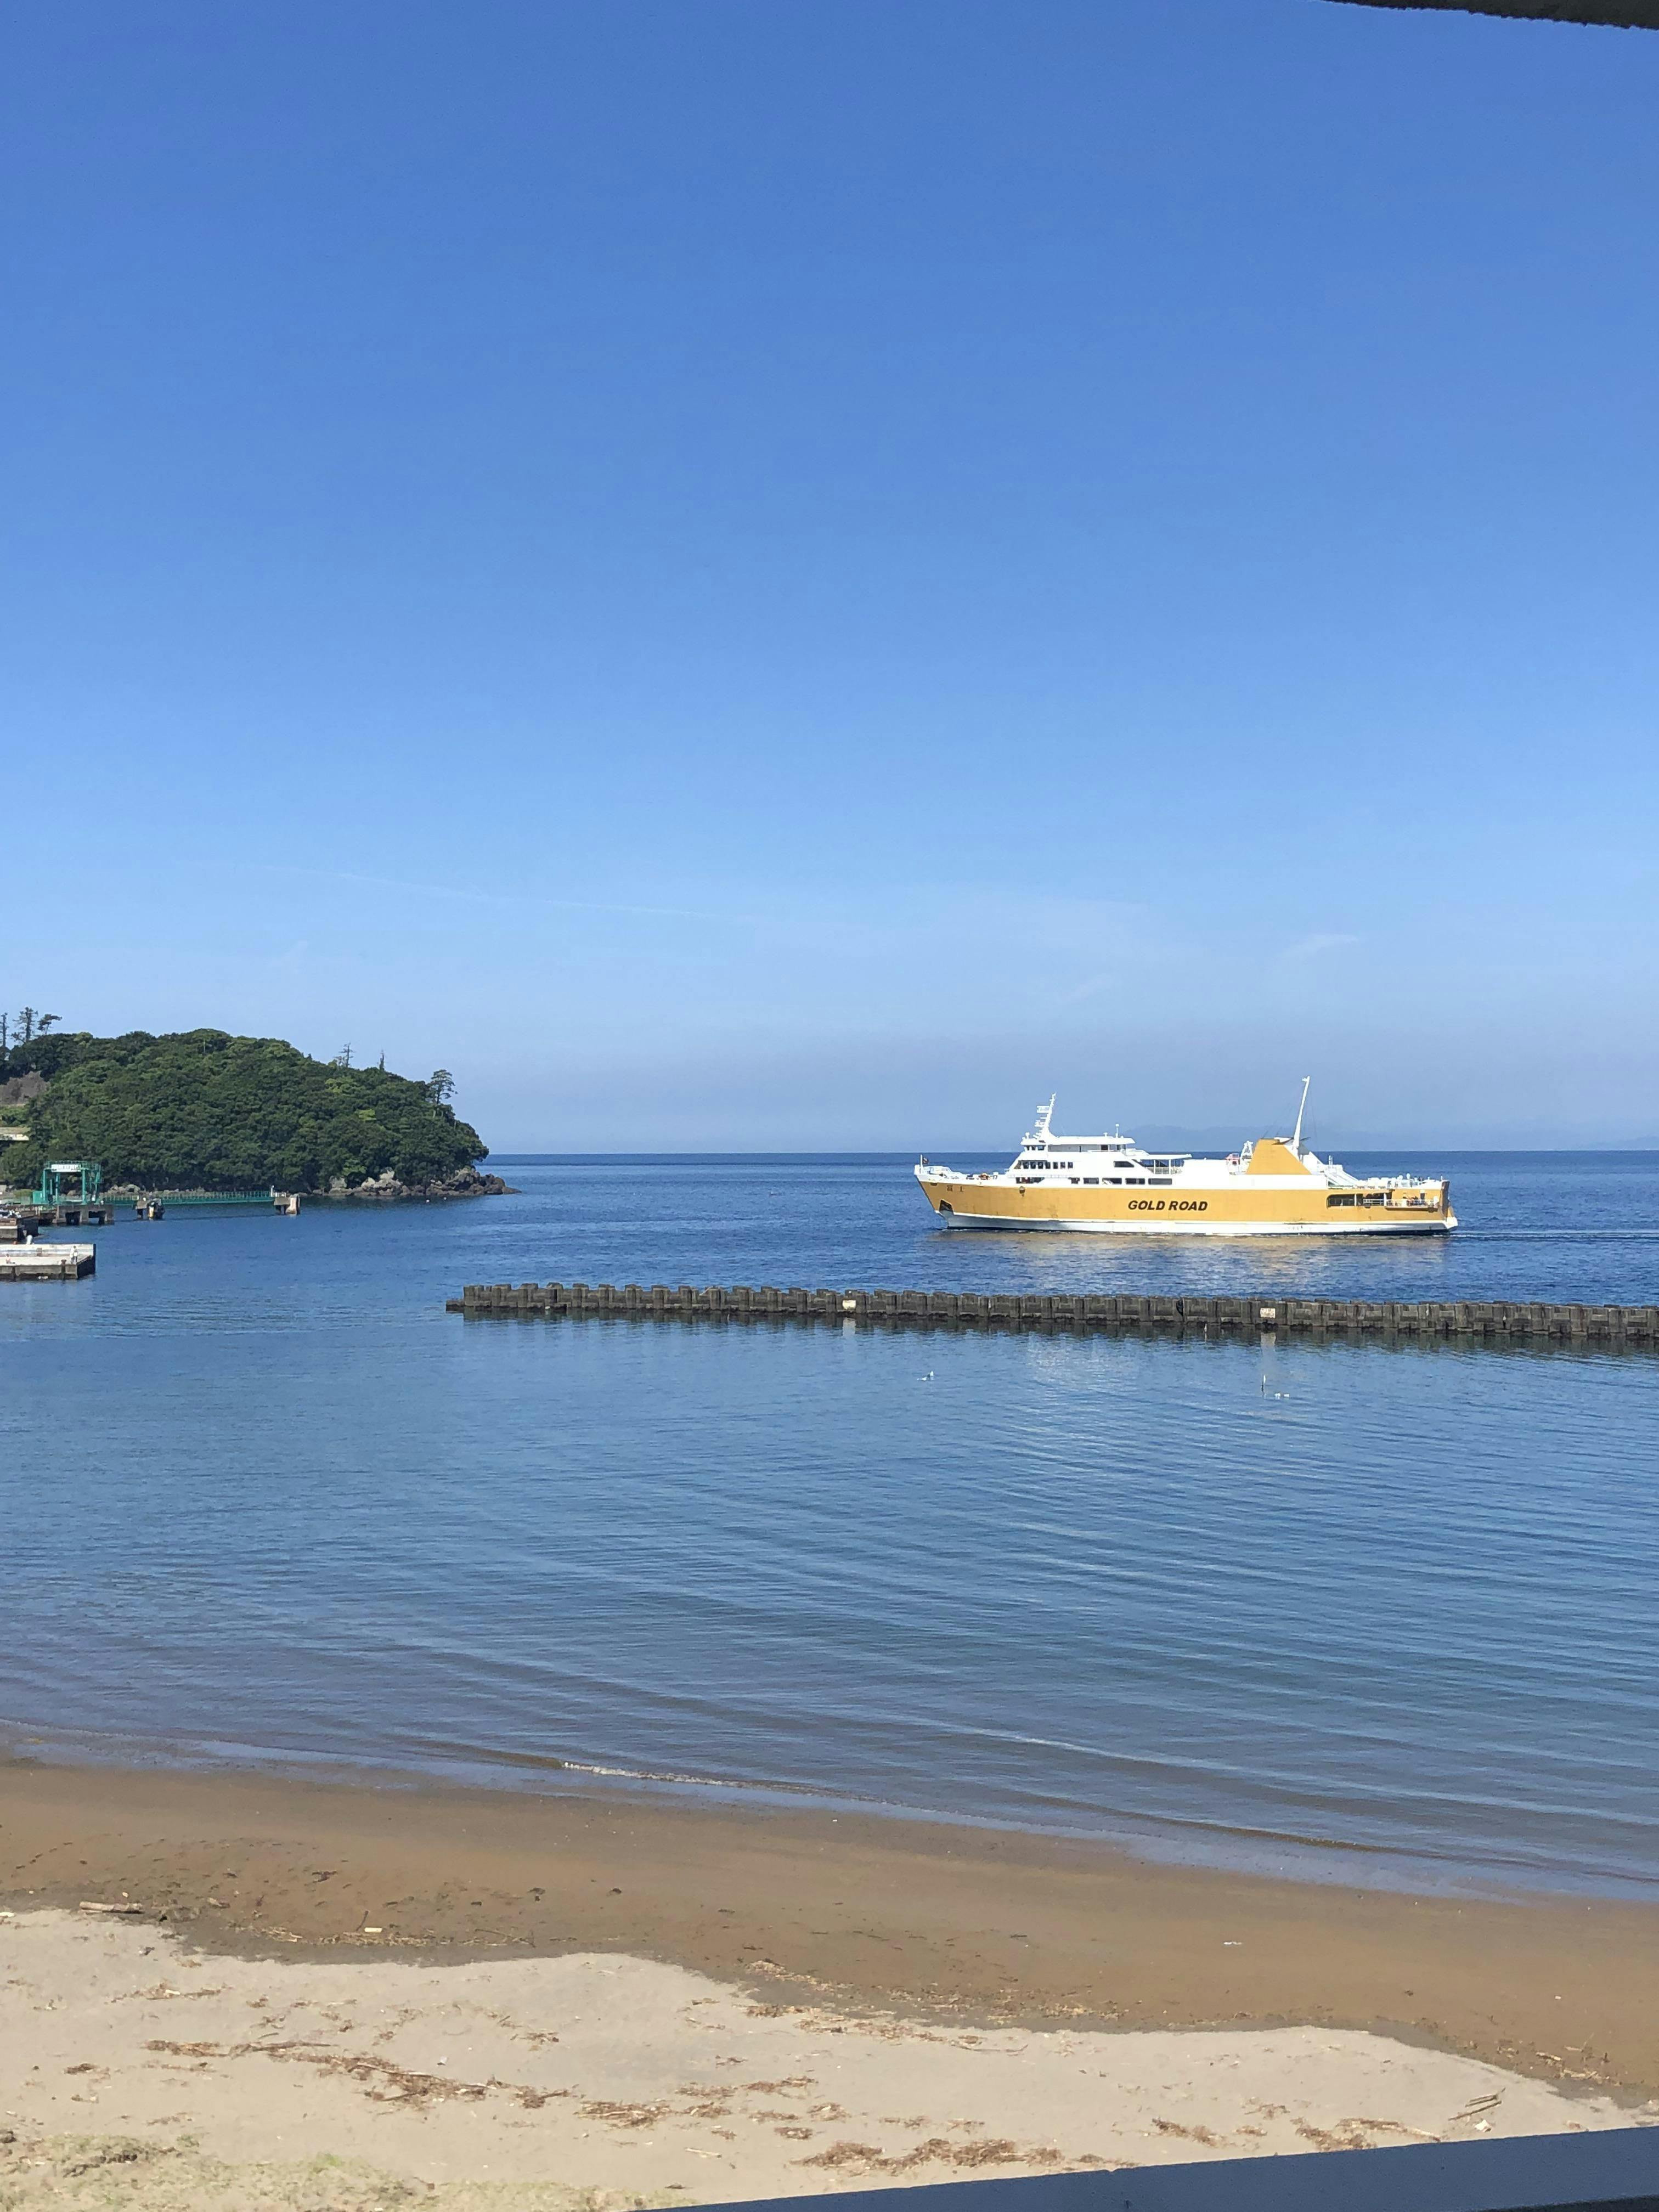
<point x="767" y="575"/>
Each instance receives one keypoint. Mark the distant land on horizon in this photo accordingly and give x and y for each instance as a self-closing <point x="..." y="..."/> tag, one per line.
<point x="191" y="1108"/>
<point x="202" y="1109"/>
<point x="1155" y="1139"/>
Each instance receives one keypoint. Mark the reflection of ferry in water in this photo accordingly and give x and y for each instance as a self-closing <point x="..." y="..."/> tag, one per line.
<point x="1272" y="1188"/>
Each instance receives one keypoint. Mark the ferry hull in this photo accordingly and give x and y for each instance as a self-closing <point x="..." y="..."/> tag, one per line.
<point x="1205" y="1213"/>
<point x="1438" y="1228"/>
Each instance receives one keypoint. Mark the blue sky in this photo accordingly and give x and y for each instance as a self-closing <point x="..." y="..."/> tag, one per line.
<point x="771" y="575"/>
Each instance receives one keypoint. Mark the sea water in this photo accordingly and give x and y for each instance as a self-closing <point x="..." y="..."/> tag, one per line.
<point x="1346" y="1609"/>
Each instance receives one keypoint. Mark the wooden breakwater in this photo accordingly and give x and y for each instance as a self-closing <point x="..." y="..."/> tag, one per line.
<point x="1487" y="1319"/>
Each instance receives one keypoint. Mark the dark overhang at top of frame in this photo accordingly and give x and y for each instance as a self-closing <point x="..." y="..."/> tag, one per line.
<point x="1628" y="14"/>
<point x="1614" y="2171"/>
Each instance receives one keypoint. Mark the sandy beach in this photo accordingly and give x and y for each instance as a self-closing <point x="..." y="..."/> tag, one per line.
<point x="177" y="2078"/>
<point x="537" y="1997"/>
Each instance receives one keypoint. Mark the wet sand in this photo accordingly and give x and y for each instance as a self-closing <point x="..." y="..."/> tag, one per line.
<point x="969" y="1928"/>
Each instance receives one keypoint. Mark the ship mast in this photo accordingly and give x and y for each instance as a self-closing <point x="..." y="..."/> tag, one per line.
<point x="1295" y="1141"/>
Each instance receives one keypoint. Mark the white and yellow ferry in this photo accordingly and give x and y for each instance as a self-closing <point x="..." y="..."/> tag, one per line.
<point x="1274" y="1188"/>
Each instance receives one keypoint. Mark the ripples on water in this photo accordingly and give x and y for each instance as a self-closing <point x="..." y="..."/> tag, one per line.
<point x="1384" y="1614"/>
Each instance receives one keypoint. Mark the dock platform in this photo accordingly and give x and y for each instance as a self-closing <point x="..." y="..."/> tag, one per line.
<point x="46" y="1263"/>
<point x="1490" y="1320"/>
<point x="25" y="1218"/>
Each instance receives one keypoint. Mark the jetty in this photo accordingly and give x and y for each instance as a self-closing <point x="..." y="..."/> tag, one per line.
<point x="46" y="1263"/>
<point x="68" y="1193"/>
<point x="152" y="1205"/>
<point x="60" y="1214"/>
<point x="1490" y="1320"/>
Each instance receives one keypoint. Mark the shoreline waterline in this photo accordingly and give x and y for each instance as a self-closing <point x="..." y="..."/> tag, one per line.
<point x="1201" y="1847"/>
<point x="969" y="1924"/>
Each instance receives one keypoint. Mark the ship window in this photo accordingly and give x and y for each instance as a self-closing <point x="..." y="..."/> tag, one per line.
<point x="1160" y="1179"/>
<point x="1340" y="1198"/>
<point x="1091" y="1179"/>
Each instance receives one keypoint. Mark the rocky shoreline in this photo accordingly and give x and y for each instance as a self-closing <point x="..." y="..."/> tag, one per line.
<point x="465" y="1182"/>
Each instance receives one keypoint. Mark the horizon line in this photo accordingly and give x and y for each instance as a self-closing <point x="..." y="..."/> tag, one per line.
<point x="898" y="1152"/>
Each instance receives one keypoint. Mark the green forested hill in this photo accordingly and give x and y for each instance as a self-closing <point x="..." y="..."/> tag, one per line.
<point x="205" y="1111"/>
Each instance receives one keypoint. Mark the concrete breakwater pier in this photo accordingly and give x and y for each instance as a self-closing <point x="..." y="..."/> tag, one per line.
<point x="46" y="1263"/>
<point x="1490" y="1320"/>
<point x="22" y="1221"/>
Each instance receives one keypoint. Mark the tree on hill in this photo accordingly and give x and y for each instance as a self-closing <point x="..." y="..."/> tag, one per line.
<point x="27" y="1023"/>
<point x="205" y="1110"/>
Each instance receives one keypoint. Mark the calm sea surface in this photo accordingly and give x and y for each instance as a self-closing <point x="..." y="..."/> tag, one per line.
<point x="1388" y="1615"/>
